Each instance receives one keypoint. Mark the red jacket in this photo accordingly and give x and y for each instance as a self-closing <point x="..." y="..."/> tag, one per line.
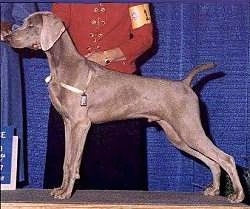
<point x="103" y="26"/>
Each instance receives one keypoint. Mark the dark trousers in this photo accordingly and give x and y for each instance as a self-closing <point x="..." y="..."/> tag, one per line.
<point x="114" y="155"/>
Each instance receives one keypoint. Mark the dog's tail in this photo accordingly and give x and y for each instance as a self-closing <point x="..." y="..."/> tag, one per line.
<point x="196" y="70"/>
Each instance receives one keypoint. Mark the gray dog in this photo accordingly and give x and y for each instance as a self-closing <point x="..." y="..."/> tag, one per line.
<point x="84" y="92"/>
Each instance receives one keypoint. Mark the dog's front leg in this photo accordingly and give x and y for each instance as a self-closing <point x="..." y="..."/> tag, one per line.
<point x="67" y="128"/>
<point x="74" y="144"/>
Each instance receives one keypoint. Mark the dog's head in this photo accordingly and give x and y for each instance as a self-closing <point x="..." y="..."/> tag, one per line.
<point x="40" y="30"/>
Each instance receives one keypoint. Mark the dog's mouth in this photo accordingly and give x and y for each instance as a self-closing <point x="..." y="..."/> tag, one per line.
<point x="15" y="42"/>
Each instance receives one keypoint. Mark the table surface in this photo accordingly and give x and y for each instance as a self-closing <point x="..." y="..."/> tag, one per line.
<point x="115" y="197"/>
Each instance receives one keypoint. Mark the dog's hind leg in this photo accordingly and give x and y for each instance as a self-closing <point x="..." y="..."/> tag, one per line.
<point x="180" y="144"/>
<point x="73" y="155"/>
<point x="206" y="147"/>
<point x="189" y="128"/>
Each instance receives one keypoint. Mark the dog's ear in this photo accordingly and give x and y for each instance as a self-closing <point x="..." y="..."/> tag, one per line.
<point x="51" y="31"/>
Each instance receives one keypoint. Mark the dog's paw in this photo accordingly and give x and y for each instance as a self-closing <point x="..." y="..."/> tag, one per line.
<point x="211" y="191"/>
<point x="55" y="190"/>
<point x="63" y="195"/>
<point x="60" y="193"/>
<point x="236" y="197"/>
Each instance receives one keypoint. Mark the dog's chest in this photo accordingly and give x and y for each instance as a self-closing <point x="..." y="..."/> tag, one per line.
<point x="55" y="97"/>
<point x="65" y="102"/>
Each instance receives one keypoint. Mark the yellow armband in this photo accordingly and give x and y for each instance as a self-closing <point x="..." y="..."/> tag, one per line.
<point x="140" y="15"/>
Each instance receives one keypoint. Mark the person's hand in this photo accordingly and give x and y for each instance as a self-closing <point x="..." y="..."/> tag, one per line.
<point x="5" y="30"/>
<point x="97" y="57"/>
<point x="106" y="57"/>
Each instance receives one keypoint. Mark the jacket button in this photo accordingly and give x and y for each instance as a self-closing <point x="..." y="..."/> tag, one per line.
<point x="103" y="9"/>
<point x="96" y="10"/>
<point x="103" y="22"/>
<point x="91" y="35"/>
<point x="93" y="22"/>
<point x="100" y="35"/>
<point x="89" y="48"/>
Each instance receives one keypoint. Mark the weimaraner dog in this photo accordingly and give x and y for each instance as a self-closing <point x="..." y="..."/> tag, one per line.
<point x="84" y="92"/>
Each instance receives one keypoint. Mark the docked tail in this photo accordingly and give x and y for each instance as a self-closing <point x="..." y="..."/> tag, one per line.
<point x="196" y="70"/>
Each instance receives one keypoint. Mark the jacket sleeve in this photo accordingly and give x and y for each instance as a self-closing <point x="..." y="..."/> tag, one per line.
<point x="141" y="40"/>
<point x="62" y="11"/>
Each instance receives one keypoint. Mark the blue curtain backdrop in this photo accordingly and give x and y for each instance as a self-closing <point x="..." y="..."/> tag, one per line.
<point x="11" y="79"/>
<point x="195" y="33"/>
<point x="186" y="34"/>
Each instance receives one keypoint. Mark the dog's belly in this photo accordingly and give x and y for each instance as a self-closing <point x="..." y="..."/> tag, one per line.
<point x="138" y="109"/>
<point x="159" y="101"/>
<point x="101" y="117"/>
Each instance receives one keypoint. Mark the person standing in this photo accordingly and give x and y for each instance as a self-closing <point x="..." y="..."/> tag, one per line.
<point x="113" y="35"/>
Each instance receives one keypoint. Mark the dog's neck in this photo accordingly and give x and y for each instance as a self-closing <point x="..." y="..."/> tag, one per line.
<point x="62" y="55"/>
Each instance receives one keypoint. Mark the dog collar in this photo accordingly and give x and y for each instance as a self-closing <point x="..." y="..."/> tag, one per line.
<point x="49" y="78"/>
<point x="73" y="89"/>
